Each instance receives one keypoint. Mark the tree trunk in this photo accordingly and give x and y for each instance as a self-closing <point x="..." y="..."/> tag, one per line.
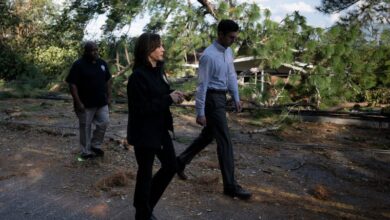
<point x="118" y="68"/>
<point x="127" y="56"/>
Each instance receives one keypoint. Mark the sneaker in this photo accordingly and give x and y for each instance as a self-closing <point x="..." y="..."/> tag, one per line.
<point x="85" y="156"/>
<point x="238" y="192"/>
<point x="99" y="152"/>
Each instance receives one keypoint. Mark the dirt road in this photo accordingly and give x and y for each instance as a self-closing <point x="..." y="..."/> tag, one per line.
<point x="301" y="171"/>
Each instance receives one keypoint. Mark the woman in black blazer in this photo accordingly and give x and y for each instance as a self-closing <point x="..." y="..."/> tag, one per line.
<point x="149" y="98"/>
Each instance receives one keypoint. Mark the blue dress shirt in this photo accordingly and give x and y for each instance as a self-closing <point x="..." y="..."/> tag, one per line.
<point x="216" y="71"/>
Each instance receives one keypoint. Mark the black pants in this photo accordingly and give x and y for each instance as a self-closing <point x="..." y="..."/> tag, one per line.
<point x="148" y="189"/>
<point x="217" y="128"/>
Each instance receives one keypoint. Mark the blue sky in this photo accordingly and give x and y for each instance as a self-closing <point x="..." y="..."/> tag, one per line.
<point x="278" y="8"/>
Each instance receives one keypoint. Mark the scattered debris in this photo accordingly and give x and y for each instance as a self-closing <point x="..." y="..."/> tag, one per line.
<point x="118" y="179"/>
<point x="262" y="130"/>
<point x="353" y="172"/>
<point x="208" y="179"/>
<point x="321" y="192"/>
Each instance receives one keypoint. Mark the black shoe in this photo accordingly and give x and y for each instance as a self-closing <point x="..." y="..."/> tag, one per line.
<point x="153" y="217"/>
<point x="180" y="170"/>
<point x="238" y="192"/>
<point x="99" y="152"/>
<point x="182" y="175"/>
<point x="86" y="156"/>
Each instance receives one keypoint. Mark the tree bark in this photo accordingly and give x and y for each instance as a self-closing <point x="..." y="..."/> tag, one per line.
<point x="209" y="7"/>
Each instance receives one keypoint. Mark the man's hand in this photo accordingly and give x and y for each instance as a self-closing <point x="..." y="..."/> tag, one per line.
<point x="79" y="107"/>
<point x="109" y="100"/>
<point x="238" y="106"/>
<point x="201" y="120"/>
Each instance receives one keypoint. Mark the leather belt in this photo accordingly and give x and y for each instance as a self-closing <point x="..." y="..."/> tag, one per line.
<point x="217" y="91"/>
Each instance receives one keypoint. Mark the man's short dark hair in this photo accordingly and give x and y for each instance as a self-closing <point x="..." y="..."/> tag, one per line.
<point x="88" y="45"/>
<point x="226" y="26"/>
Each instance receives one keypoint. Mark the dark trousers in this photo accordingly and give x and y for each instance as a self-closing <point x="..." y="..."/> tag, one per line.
<point x="149" y="188"/>
<point x="217" y="128"/>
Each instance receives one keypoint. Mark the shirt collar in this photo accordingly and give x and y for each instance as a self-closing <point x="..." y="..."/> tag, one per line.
<point x="219" y="46"/>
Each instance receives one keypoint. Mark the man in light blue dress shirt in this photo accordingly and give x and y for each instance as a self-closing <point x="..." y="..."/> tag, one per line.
<point x="216" y="77"/>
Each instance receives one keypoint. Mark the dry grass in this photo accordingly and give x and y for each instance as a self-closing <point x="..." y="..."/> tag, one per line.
<point x="118" y="179"/>
<point x="209" y="164"/>
<point x="321" y="192"/>
<point x="210" y="179"/>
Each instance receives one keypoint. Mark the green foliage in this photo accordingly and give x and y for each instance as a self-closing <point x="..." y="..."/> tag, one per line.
<point x="13" y="63"/>
<point x="367" y="11"/>
<point x="380" y="95"/>
<point x="187" y="86"/>
<point x="119" y="84"/>
<point x="53" y="60"/>
<point x="251" y="92"/>
<point x="30" y="54"/>
<point x="347" y="62"/>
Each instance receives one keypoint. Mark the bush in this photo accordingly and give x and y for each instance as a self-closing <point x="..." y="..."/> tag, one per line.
<point x="52" y="61"/>
<point x="13" y="64"/>
<point x="380" y="95"/>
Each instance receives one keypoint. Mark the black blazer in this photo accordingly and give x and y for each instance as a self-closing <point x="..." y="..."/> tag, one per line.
<point x="148" y="103"/>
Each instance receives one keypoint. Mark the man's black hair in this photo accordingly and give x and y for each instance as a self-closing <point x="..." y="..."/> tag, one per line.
<point x="88" y="45"/>
<point x="226" y="26"/>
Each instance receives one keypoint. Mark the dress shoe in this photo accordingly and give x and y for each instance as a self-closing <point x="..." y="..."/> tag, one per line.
<point x="180" y="170"/>
<point x="238" y="192"/>
<point x="182" y="175"/>
<point x="99" y="152"/>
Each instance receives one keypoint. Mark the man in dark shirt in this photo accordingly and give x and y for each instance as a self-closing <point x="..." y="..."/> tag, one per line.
<point x="90" y="85"/>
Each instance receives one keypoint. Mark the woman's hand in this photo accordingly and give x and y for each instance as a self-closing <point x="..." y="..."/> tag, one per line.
<point x="177" y="97"/>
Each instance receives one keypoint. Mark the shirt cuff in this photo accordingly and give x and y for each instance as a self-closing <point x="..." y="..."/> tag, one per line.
<point x="200" y="112"/>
